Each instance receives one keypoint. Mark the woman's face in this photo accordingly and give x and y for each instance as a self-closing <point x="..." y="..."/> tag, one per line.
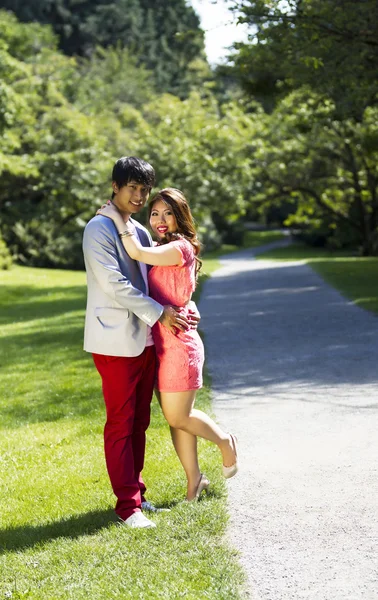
<point x="162" y="219"/>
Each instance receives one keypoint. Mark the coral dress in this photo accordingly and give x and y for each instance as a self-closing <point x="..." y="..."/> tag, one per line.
<point x="181" y="356"/>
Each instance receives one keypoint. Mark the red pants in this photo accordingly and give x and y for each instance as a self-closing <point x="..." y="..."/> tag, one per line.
<point x="127" y="385"/>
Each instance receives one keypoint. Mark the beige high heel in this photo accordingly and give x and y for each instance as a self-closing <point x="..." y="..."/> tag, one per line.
<point x="203" y="486"/>
<point x="229" y="472"/>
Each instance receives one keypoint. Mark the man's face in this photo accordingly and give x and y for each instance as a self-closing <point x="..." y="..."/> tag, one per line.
<point x="130" y="198"/>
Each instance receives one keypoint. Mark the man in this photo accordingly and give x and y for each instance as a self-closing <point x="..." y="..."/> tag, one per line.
<point x="118" y="324"/>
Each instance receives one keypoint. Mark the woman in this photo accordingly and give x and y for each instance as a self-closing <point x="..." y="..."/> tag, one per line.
<point x="172" y="279"/>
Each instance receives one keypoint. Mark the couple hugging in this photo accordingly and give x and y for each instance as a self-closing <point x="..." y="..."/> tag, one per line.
<point x="141" y="328"/>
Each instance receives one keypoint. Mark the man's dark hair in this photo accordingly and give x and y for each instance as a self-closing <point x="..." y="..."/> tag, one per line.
<point x="131" y="168"/>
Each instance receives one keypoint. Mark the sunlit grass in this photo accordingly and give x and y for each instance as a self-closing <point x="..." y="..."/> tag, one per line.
<point x="58" y="535"/>
<point x="356" y="277"/>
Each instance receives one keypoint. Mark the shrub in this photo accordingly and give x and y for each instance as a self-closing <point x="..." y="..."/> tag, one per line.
<point x="5" y="257"/>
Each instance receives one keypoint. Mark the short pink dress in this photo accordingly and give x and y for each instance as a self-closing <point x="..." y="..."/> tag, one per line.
<point x="181" y="356"/>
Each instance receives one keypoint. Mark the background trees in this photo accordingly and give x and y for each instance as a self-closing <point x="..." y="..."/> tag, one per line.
<point x="323" y="170"/>
<point x="286" y="133"/>
<point x="66" y="119"/>
<point x="329" y="45"/>
<point x="51" y="153"/>
<point x="165" y="37"/>
<point x="313" y="65"/>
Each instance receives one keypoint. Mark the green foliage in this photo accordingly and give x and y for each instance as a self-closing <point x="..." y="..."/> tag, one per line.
<point x="172" y="41"/>
<point x="5" y="256"/>
<point x="165" y="37"/>
<point x="330" y="45"/>
<point x="313" y="65"/>
<point x="63" y="122"/>
<point x="109" y="80"/>
<point x="326" y="168"/>
<point x="200" y="149"/>
<point x="45" y="206"/>
<point x="61" y="117"/>
<point x="51" y="156"/>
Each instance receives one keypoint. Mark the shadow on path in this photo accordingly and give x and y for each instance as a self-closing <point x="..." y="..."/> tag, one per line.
<point x="273" y="324"/>
<point x="294" y="375"/>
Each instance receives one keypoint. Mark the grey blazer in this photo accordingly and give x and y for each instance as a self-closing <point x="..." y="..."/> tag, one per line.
<point x="118" y="309"/>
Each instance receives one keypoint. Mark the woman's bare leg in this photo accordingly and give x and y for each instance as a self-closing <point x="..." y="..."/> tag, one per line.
<point x="185" y="445"/>
<point x="178" y="409"/>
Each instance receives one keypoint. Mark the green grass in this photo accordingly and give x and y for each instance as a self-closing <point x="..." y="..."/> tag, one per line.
<point x="59" y="537"/>
<point x="355" y="277"/>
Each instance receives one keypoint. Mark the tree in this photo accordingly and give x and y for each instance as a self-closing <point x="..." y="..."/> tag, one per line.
<point x="51" y="154"/>
<point x="203" y="150"/>
<point x="327" y="168"/>
<point x="163" y="36"/>
<point x="61" y="136"/>
<point x="5" y="256"/>
<point x="331" y="45"/>
<point x="109" y="80"/>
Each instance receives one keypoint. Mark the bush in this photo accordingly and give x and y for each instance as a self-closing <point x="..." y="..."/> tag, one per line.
<point x="327" y="235"/>
<point x="208" y="234"/>
<point x="46" y="246"/>
<point x="230" y="231"/>
<point x="5" y="257"/>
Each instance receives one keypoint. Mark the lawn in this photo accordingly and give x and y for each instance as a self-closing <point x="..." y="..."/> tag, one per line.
<point x="59" y="537"/>
<point x="355" y="277"/>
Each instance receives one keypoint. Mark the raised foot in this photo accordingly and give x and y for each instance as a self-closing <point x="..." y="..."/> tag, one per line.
<point x="230" y="471"/>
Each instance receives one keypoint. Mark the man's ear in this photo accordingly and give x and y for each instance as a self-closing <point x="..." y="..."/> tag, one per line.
<point x="115" y="187"/>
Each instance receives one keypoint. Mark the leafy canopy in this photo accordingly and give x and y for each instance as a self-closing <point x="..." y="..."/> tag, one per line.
<point x="165" y="37"/>
<point x="331" y="45"/>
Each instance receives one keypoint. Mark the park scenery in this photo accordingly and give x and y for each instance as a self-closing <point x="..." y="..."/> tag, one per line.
<point x="275" y="146"/>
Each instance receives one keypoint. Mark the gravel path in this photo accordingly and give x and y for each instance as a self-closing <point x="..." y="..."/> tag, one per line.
<point x="295" y="377"/>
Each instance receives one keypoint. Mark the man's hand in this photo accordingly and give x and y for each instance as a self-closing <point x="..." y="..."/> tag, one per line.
<point x="172" y="320"/>
<point x="193" y="315"/>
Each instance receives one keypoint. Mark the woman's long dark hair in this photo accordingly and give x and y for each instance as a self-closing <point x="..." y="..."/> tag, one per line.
<point x="185" y="223"/>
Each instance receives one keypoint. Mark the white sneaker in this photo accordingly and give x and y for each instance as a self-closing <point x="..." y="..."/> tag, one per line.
<point x="137" y="519"/>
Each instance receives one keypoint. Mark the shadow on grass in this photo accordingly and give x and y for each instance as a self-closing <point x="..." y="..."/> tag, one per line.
<point x="25" y="303"/>
<point x="47" y="375"/>
<point x="20" y="538"/>
<point x="41" y="343"/>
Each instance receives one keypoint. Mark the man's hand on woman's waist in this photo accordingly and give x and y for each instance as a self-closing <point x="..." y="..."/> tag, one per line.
<point x="173" y="320"/>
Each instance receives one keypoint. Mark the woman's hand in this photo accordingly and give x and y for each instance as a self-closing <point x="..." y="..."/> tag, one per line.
<point x="111" y="211"/>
